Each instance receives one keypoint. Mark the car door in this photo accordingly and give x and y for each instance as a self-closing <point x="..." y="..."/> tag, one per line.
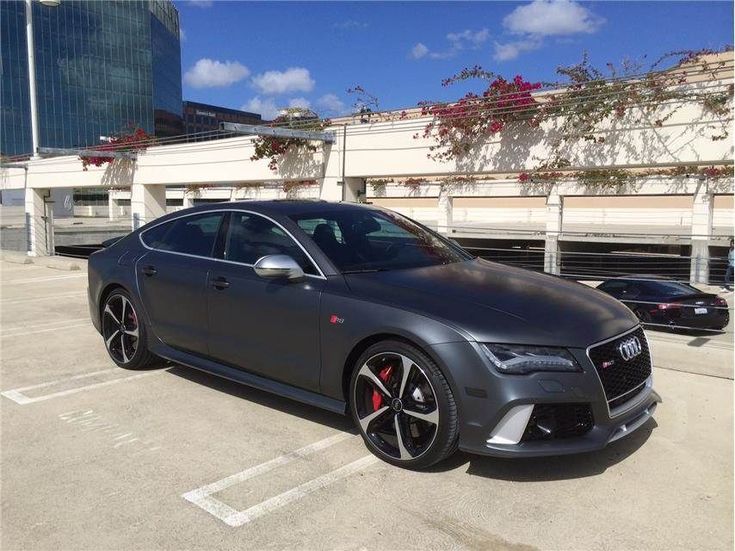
<point x="264" y="326"/>
<point x="172" y="278"/>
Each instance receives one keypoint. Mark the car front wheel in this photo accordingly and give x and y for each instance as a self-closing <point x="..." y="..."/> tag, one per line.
<point x="403" y="406"/>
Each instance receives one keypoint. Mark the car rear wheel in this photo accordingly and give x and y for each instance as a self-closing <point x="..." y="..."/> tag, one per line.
<point x="403" y="406"/>
<point x="124" y="333"/>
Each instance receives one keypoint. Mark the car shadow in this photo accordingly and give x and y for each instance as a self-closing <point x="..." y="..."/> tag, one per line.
<point x="261" y="397"/>
<point x="692" y="332"/>
<point x="544" y="469"/>
<point x="535" y="469"/>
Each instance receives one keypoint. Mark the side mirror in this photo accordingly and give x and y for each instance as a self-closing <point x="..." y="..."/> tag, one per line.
<point x="277" y="266"/>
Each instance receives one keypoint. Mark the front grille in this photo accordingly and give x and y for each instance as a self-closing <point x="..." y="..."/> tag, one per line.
<point x="550" y="421"/>
<point x="620" y="377"/>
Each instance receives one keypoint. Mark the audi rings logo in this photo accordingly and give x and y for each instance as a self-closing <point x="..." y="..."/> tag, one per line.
<point x="630" y="348"/>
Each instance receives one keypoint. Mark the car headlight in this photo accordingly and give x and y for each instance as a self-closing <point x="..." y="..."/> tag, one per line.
<point x="519" y="359"/>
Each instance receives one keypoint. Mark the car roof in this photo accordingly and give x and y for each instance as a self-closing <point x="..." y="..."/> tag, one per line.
<point x="641" y="277"/>
<point x="286" y="207"/>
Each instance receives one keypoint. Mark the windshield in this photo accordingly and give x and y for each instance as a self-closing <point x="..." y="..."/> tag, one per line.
<point x="361" y="240"/>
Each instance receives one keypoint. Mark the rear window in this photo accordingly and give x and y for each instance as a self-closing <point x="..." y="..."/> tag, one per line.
<point x="193" y="235"/>
<point x="668" y="288"/>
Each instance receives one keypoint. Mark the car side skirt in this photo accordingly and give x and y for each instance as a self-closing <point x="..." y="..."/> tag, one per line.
<point x="249" y="379"/>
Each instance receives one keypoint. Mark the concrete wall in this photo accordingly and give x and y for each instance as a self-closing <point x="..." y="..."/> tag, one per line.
<point x="688" y="207"/>
<point x="391" y="149"/>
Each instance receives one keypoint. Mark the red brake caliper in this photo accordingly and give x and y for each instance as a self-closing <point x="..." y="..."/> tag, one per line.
<point x="384" y="375"/>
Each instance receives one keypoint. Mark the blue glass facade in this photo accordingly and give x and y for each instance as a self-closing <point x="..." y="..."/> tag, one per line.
<point x="15" y="111"/>
<point x="100" y="67"/>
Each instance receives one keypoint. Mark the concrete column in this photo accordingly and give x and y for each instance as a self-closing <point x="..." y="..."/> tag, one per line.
<point x="552" y="253"/>
<point x="188" y="200"/>
<point x="445" y="208"/>
<point x="353" y="190"/>
<point x="702" y="209"/>
<point x="111" y="206"/>
<point x="147" y="202"/>
<point x="331" y="185"/>
<point x="39" y="232"/>
<point x="330" y="188"/>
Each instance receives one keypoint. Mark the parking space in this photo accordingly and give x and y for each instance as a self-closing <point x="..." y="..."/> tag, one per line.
<point x="95" y="457"/>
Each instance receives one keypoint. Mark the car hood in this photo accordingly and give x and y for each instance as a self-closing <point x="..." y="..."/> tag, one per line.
<point x="497" y="303"/>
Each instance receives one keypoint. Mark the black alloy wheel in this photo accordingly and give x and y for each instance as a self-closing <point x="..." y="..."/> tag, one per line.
<point x="124" y="333"/>
<point x="403" y="406"/>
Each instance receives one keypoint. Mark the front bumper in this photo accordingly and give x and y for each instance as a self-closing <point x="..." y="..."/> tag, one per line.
<point x="486" y="399"/>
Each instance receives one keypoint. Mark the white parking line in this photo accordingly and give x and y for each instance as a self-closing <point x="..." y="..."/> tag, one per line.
<point x="21" y="281"/>
<point x="243" y="517"/>
<point x="33" y="332"/>
<point x="202" y="497"/>
<point x="35" y="299"/>
<point x="18" y="396"/>
<point x="25" y="326"/>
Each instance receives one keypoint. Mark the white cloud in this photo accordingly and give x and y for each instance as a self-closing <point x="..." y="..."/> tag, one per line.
<point x="210" y="73"/>
<point x="544" y="18"/>
<point x="182" y="34"/>
<point x="265" y="107"/>
<point x="464" y="40"/>
<point x="418" y="51"/>
<point x="511" y="50"/>
<point x="303" y="103"/>
<point x="294" y="79"/>
<point x="332" y="105"/>
<point x="552" y="18"/>
<point x="350" y="24"/>
<point x="202" y="3"/>
<point x="467" y="38"/>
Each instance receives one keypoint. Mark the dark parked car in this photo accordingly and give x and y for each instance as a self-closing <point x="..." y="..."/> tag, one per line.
<point x="661" y="301"/>
<point x="357" y="309"/>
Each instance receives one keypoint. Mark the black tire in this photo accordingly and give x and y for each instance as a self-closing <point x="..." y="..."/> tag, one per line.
<point x="124" y="332"/>
<point x="423" y="442"/>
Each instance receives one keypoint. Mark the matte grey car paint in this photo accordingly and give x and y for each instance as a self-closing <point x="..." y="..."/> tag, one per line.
<point x="278" y="335"/>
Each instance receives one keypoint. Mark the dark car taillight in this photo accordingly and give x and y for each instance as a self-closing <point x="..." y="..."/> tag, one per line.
<point x="669" y="306"/>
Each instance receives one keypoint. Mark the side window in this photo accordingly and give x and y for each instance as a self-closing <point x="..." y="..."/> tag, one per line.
<point x="190" y="234"/>
<point x="633" y="290"/>
<point x="251" y="237"/>
<point x="615" y="288"/>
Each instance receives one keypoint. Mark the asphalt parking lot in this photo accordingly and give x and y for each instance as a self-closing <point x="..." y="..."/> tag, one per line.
<point x="95" y="457"/>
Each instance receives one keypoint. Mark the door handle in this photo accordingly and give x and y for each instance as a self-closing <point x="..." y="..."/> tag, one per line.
<point x="220" y="283"/>
<point x="149" y="270"/>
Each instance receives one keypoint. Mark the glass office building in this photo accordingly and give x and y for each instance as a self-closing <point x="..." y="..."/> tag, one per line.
<point x="101" y="67"/>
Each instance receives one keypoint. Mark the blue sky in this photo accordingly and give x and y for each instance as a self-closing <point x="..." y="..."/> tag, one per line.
<point x="261" y="55"/>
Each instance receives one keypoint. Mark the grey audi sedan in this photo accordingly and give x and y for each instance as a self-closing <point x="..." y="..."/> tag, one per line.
<point x="360" y="310"/>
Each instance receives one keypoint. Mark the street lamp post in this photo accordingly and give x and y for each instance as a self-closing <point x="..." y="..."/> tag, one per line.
<point x="34" y="236"/>
<point x="30" y="48"/>
<point x="32" y="77"/>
